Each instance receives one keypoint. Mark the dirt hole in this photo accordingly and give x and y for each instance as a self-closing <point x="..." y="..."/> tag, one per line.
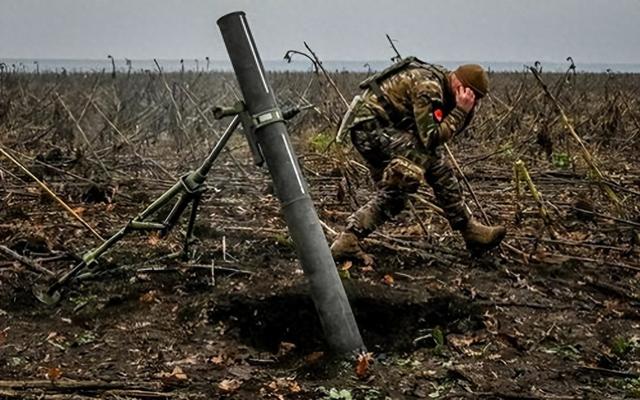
<point x="386" y="325"/>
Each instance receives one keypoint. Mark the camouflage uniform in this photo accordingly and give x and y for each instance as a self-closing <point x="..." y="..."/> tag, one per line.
<point x="403" y="153"/>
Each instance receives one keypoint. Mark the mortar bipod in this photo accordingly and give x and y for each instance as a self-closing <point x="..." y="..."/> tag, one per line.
<point x="188" y="189"/>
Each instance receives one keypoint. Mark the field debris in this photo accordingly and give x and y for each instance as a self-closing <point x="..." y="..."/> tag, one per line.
<point x="553" y="314"/>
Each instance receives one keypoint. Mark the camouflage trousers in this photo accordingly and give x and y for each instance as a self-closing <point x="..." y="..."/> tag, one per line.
<point x="399" y="164"/>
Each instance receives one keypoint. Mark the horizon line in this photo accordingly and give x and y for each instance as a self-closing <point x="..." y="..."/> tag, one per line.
<point x="324" y="61"/>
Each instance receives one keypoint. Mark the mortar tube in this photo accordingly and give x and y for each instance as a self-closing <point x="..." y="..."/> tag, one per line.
<point x="336" y="317"/>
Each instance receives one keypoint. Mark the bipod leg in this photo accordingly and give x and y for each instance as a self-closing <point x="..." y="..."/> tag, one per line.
<point x="192" y="190"/>
<point x="175" y="213"/>
<point x="189" y="187"/>
<point x="52" y="294"/>
<point x="189" y="238"/>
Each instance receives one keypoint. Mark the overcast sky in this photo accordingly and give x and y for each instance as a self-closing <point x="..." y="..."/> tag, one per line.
<point x="481" y="30"/>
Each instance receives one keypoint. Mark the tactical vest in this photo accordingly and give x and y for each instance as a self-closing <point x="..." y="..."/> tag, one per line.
<point x="374" y="81"/>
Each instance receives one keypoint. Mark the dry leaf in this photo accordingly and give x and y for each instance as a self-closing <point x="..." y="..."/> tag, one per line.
<point x="294" y="387"/>
<point x="53" y="374"/>
<point x="388" y="280"/>
<point x="179" y="374"/>
<point x="363" y="363"/>
<point x="79" y="210"/>
<point x="154" y="239"/>
<point x="314" y="357"/>
<point x="229" y="385"/>
<point x="217" y="360"/>
<point x="367" y="268"/>
<point x="288" y="384"/>
<point x="461" y="341"/>
<point x="192" y="359"/>
<point x="491" y="323"/>
<point x="285" y="348"/>
<point x="172" y="377"/>
<point x="149" y="297"/>
<point x="346" y="265"/>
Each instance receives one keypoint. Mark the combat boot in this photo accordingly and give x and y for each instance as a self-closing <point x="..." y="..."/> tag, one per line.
<point x="480" y="238"/>
<point x="347" y="246"/>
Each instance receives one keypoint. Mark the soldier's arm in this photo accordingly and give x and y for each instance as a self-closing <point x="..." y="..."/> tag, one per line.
<point x="427" y="109"/>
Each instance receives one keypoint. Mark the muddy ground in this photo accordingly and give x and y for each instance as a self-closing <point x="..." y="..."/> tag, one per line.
<point x="558" y="321"/>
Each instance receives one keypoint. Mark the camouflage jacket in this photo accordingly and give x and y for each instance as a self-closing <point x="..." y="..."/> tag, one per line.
<point x="421" y="96"/>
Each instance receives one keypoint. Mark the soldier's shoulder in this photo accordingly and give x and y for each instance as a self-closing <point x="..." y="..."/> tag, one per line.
<point x="425" y="82"/>
<point x="417" y="73"/>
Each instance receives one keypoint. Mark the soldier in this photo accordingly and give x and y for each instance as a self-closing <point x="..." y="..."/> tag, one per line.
<point x="406" y="114"/>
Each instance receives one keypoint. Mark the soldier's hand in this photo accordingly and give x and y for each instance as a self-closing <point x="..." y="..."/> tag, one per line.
<point x="465" y="98"/>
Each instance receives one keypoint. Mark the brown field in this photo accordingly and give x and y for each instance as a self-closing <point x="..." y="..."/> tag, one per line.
<point x="557" y="318"/>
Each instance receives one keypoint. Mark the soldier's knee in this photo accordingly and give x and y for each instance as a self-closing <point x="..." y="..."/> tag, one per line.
<point x="402" y="174"/>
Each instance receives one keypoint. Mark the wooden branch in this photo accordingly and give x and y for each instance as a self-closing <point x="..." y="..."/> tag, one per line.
<point x="84" y="135"/>
<point x="620" y="220"/>
<point x="205" y="267"/>
<point x="588" y="158"/>
<point x="175" y="105"/>
<point x="326" y="75"/>
<point x="139" y="394"/>
<point x="37" y="394"/>
<point x="576" y="243"/>
<point x="66" y="385"/>
<point x="131" y="146"/>
<point x="610" y="372"/>
<point x="467" y="184"/>
<point x="509" y="396"/>
<point x="27" y="262"/>
<point x="475" y="199"/>
<point x="523" y="173"/>
<point x="51" y="193"/>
